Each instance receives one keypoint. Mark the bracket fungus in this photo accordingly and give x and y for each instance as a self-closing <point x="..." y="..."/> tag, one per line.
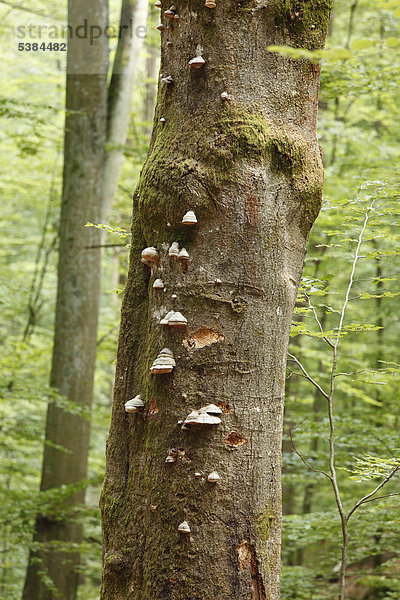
<point x="172" y="455"/>
<point x="212" y="409"/>
<point x="158" y="284"/>
<point x="170" y="12"/>
<point x="202" y="418"/>
<point x="163" y="120"/>
<point x="160" y="27"/>
<point x="210" y="4"/>
<point x="165" y="320"/>
<point x="225" y="96"/>
<point x="135" y="405"/>
<point x="197" y="475"/>
<point x="189" y="218"/>
<point x="184" y="527"/>
<point x="197" y="62"/>
<point x="213" y="477"/>
<point x="177" y="320"/>
<point x="168" y="79"/>
<point x="183" y="255"/>
<point x="158" y="4"/>
<point x="164" y="363"/>
<point x="149" y="256"/>
<point x="174" y="249"/>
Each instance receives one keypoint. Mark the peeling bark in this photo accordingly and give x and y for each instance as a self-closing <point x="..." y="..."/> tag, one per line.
<point x="250" y="168"/>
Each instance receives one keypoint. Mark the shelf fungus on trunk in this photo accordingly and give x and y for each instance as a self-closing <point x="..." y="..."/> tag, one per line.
<point x="200" y="418"/>
<point x="213" y="409"/>
<point x="172" y="456"/>
<point x="224" y="96"/>
<point x="164" y="363"/>
<point x="149" y="256"/>
<point x="184" y="527"/>
<point x="189" y="218"/>
<point x="167" y="79"/>
<point x="135" y="405"/>
<point x="183" y="255"/>
<point x="210" y="4"/>
<point x="213" y="477"/>
<point x="160" y="27"/>
<point x="158" y="284"/>
<point x="158" y="4"/>
<point x="173" y="249"/>
<point x="165" y="320"/>
<point x="177" y="320"/>
<point x="197" y="62"/>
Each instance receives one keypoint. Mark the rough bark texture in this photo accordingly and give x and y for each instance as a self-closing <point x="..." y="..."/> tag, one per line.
<point x="67" y="434"/>
<point x="251" y="169"/>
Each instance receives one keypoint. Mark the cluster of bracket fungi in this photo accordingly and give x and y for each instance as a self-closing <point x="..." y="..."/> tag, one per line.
<point x="197" y="62"/>
<point x="164" y="363"/>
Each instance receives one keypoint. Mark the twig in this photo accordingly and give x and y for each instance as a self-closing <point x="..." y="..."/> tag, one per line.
<point x="310" y="379"/>
<point x="369" y="496"/>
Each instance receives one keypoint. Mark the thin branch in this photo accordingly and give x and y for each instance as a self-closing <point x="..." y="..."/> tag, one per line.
<point x="310" y="379"/>
<point x="318" y="322"/>
<point x="380" y="497"/>
<point x="303" y="459"/>
<point x="368" y="496"/>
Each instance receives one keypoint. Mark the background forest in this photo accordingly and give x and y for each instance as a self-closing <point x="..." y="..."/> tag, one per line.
<point x="359" y="114"/>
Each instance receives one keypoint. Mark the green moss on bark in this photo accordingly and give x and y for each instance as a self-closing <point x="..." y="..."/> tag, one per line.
<point x="304" y="21"/>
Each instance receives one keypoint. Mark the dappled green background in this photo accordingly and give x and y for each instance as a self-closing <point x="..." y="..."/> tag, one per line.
<point x="359" y="134"/>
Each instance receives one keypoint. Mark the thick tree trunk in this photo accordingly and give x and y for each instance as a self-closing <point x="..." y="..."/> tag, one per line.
<point x="250" y="168"/>
<point x="125" y="71"/>
<point x="52" y="571"/>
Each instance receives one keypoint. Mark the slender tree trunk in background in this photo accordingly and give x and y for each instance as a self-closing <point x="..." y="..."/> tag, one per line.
<point x="251" y="169"/>
<point x="67" y="434"/>
<point x="152" y="65"/>
<point x="125" y="71"/>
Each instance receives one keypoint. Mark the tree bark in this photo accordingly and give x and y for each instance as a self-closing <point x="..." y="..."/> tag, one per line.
<point x="251" y="169"/>
<point x="52" y="569"/>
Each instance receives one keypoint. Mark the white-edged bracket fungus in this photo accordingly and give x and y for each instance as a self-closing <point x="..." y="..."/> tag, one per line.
<point x="158" y="4"/>
<point x="177" y="320"/>
<point x="212" y="409"/>
<point x="197" y="475"/>
<point x="174" y="249"/>
<point x="183" y="255"/>
<point x="149" y="256"/>
<point x="135" y="405"/>
<point x="210" y="4"/>
<point x="197" y="62"/>
<point x="189" y="218"/>
<point x="174" y="296"/>
<point x="164" y="363"/>
<point x="160" y="27"/>
<point x="184" y="527"/>
<point x="163" y="120"/>
<point x="225" y="96"/>
<point x="158" y="284"/>
<point x="169" y="13"/>
<point x="168" y="79"/>
<point x="165" y="320"/>
<point x="172" y="456"/>
<point x="202" y="418"/>
<point x="213" y="477"/>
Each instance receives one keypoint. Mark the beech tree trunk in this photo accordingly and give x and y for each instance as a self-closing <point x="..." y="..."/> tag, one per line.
<point x="52" y="571"/>
<point x="250" y="167"/>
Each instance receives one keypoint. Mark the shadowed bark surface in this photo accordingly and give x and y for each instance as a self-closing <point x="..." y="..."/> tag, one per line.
<point x="250" y="168"/>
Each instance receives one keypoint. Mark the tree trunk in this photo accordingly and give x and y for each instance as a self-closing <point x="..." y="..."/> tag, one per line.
<point x="52" y="569"/>
<point x="125" y="71"/>
<point x="250" y="168"/>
